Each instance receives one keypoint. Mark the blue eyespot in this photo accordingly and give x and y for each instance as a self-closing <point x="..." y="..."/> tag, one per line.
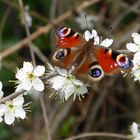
<point x="60" y="55"/>
<point x="125" y="64"/>
<point x="95" y="72"/>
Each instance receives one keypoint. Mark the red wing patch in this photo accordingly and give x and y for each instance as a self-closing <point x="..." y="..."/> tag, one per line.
<point x="67" y="38"/>
<point x="105" y="60"/>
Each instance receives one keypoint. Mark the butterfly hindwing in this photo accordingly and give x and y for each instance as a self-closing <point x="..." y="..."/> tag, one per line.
<point x="111" y="60"/>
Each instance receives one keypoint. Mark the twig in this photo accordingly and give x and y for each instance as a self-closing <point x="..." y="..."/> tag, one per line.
<point x="34" y="64"/>
<point x="41" y="56"/>
<point x="11" y="96"/>
<point x="28" y="32"/>
<point x="32" y="13"/>
<point x="45" y="116"/>
<point x="2" y="24"/>
<point x="99" y="134"/>
<point x="127" y="11"/>
<point x="52" y="17"/>
<point x="60" y="114"/>
<point x="97" y="105"/>
<point x="46" y="28"/>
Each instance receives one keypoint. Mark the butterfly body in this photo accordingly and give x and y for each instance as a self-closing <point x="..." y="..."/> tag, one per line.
<point x="90" y="61"/>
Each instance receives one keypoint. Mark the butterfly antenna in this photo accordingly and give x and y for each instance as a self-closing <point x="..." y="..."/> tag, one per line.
<point x="86" y="21"/>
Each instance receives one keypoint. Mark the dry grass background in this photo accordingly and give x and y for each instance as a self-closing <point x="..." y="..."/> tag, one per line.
<point x="111" y="105"/>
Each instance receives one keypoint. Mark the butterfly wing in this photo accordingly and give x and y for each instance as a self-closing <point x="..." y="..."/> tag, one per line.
<point x="64" y="58"/>
<point x="111" y="60"/>
<point x="67" y="38"/>
<point x="100" y="61"/>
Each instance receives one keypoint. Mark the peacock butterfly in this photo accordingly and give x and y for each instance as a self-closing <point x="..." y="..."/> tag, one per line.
<point x="91" y="61"/>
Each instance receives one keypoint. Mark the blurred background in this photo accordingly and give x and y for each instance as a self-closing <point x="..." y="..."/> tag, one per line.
<point x="111" y="105"/>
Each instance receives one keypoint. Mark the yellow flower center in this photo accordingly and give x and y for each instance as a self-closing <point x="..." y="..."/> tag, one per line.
<point x="10" y="106"/>
<point x="77" y="86"/>
<point x="69" y="77"/>
<point x="30" y="76"/>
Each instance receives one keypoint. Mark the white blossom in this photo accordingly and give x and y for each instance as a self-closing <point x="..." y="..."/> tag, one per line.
<point x="97" y="40"/>
<point x="12" y="109"/>
<point x="136" y="72"/>
<point x="66" y="85"/>
<point x="1" y="92"/>
<point x="1" y="105"/>
<point x="135" y="48"/>
<point x="134" y="128"/>
<point x="28" y="77"/>
<point x="86" y="23"/>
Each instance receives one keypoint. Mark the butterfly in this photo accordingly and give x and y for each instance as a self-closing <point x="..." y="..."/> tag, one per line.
<point x="91" y="62"/>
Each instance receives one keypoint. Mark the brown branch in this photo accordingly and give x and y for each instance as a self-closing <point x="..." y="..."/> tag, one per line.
<point x="32" y="13"/>
<point x="40" y="55"/>
<point x="46" y="28"/>
<point x="45" y="116"/>
<point x="11" y="96"/>
<point x="34" y="64"/>
<point x="99" y="134"/>
<point x="27" y="32"/>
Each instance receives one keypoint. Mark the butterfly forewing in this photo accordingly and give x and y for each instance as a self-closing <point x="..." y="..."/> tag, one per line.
<point x="67" y="38"/>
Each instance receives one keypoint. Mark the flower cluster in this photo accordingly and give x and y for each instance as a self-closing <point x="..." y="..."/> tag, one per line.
<point x="11" y="109"/>
<point x="65" y="85"/>
<point x="135" y="48"/>
<point x="28" y="80"/>
<point x="28" y="77"/>
<point x="97" y="40"/>
<point x="134" y="128"/>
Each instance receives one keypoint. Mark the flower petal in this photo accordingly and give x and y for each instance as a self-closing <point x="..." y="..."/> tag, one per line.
<point x="57" y="82"/>
<point x="69" y="90"/>
<point x="107" y="42"/>
<point x="20" y="112"/>
<point x="38" y="84"/>
<point x="1" y="94"/>
<point x="132" y="47"/>
<point x="96" y="40"/>
<point x="9" y="117"/>
<point x="1" y="85"/>
<point x="87" y="35"/>
<point x="39" y="70"/>
<point x="62" y="72"/>
<point x="3" y="109"/>
<point x="19" y="88"/>
<point x="137" y="57"/>
<point x="94" y="33"/>
<point x="21" y="74"/>
<point x="83" y="89"/>
<point x="134" y="128"/>
<point x="27" y="66"/>
<point x="77" y="82"/>
<point x="136" y="38"/>
<point x="1" y="119"/>
<point x="26" y="85"/>
<point x="18" y="101"/>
